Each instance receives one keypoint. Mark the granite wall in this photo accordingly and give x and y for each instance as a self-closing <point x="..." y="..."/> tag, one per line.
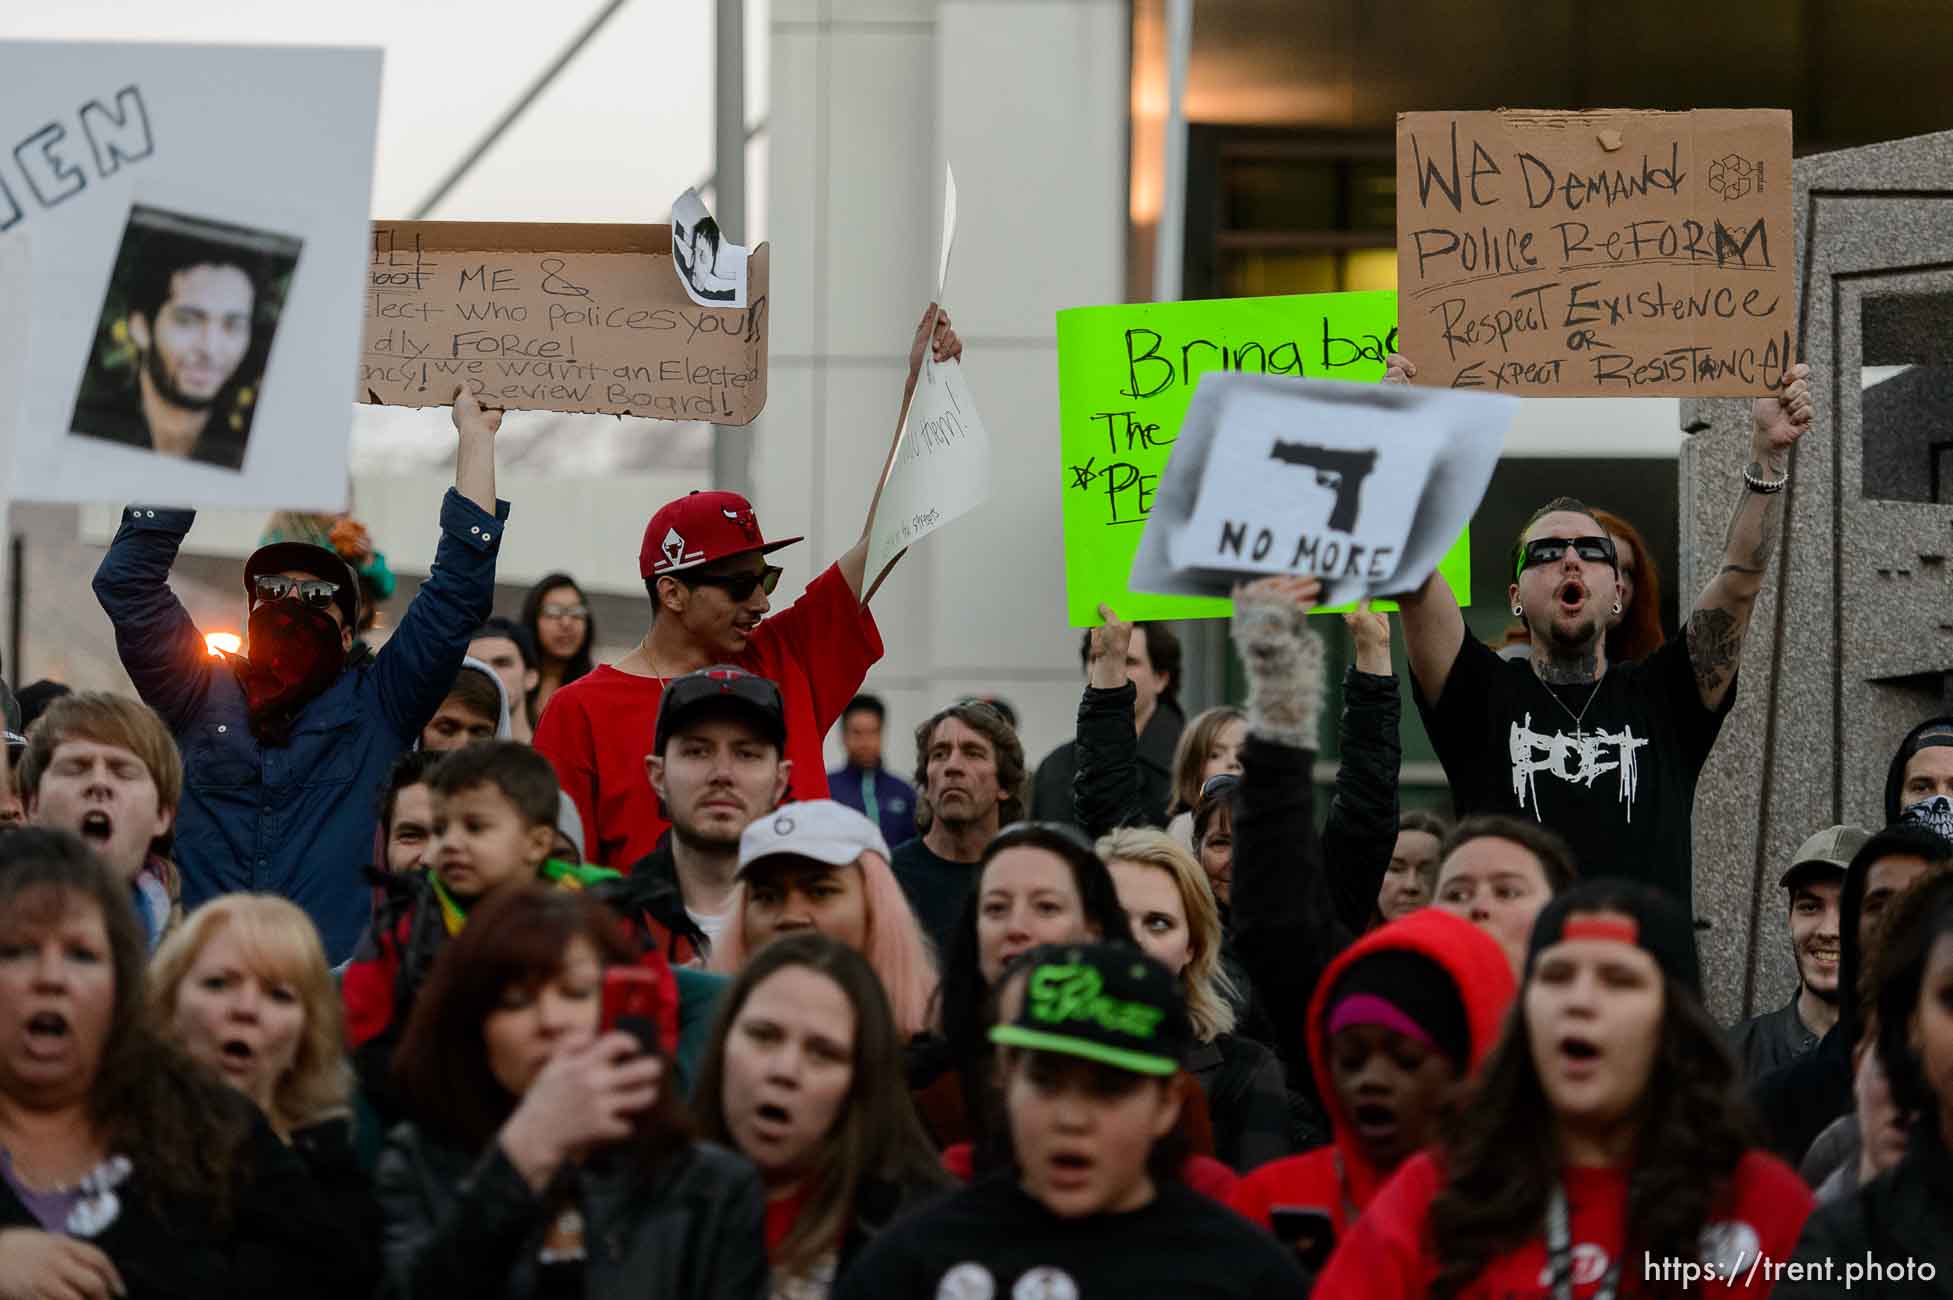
<point x="1852" y="640"/>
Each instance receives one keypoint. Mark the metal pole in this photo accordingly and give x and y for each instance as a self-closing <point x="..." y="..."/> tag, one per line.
<point x="1206" y="641"/>
<point x="16" y="597"/>
<point x="1170" y="247"/>
<point x="732" y="448"/>
<point x="517" y="109"/>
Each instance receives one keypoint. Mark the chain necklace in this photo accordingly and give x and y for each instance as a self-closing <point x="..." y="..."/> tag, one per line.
<point x="650" y="666"/>
<point x="1580" y="717"/>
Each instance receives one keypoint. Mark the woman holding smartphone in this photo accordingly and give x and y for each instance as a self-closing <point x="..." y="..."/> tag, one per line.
<point x="546" y="1158"/>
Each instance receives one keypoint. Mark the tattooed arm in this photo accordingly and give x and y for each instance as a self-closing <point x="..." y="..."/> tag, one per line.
<point x="1722" y="615"/>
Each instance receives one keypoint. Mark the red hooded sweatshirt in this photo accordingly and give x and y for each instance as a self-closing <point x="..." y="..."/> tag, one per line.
<point x="1752" y="1230"/>
<point x="1483" y="976"/>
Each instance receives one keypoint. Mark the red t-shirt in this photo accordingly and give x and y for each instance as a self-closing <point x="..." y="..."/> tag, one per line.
<point x="1387" y="1253"/>
<point x="1308" y="1181"/>
<point x="782" y="1212"/>
<point x="597" y="730"/>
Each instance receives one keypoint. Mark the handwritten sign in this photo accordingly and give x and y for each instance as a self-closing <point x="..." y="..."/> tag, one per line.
<point x="161" y="184"/>
<point x="939" y="468"/>
<point x="1125" y="377"/>
<point x="1361" y="485"/>
<point x="1615" y="253"/>
<point x="545" y="317"/>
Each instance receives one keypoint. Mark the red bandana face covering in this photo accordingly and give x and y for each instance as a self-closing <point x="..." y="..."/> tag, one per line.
<point x="296" y="652"/>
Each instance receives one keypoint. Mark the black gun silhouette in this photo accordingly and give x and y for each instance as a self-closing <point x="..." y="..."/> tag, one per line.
<point x="1342" y="470"/>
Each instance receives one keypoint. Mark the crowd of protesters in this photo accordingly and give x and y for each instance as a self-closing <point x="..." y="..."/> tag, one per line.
<point x="472" y="965"/>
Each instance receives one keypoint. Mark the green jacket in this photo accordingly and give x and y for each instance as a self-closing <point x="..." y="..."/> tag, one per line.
<point x="698" y="1006"/>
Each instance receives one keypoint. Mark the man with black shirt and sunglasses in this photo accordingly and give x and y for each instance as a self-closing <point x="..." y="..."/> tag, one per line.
<point x="285" y="746"/>
<point x="704" y="566"/>
<point x="1606" y="754"/>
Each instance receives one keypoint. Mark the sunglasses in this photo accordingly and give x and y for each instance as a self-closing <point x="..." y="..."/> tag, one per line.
<point x="316" y="592"/>
<point x="577" y="612"/>
<point x="737" y="586"/>
<point x="1549" y="550"/>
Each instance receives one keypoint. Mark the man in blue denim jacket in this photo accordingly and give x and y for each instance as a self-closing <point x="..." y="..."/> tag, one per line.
<point x="285" y="748"/>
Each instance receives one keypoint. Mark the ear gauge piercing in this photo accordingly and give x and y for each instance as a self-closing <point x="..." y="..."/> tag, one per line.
<point x="1518" y="611"/>
<point x="1617" y="607"/>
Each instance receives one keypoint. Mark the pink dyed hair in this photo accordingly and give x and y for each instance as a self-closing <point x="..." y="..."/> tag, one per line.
<point x="900" y="953"/>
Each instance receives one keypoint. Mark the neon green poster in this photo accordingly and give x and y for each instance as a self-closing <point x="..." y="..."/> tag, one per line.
<point x="1125" y="377"/>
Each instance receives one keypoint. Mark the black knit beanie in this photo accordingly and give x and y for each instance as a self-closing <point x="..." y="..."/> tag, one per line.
<point x="1656" y="924"/>
<point x="1415" y="986"/>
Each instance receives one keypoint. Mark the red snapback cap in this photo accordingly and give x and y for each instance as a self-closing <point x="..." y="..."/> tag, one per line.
<point x="699" y="528"/>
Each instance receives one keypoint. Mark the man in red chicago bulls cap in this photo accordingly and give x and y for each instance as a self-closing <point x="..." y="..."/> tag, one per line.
<point x="705" y="568"/>
<point x="698" y="529"/>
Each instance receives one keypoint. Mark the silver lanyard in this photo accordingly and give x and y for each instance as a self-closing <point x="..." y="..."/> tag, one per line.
<point x="1559" y="1252"/>
<point x="1350" y="1213"/>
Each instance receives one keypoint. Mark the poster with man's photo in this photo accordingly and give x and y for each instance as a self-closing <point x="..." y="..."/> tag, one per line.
<point x="184" y="334"/>
<point x="197" y="262"/>
<point x="712" y="269"/>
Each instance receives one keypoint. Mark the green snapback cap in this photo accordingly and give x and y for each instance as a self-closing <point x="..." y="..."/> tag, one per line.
<point x="1104" y="1003"/>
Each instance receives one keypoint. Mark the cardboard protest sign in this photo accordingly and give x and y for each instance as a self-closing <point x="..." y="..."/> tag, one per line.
<point x="1363" y="486"/>
<point x="1611" y="253"/>
<point x="555" y="317"/>
<point x="940" y="466"/>
<point x="195" y="271"/>
<point x="1125" y="377"/>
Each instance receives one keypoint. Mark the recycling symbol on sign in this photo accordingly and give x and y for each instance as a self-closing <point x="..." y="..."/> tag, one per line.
<point x="1732" y="176"/>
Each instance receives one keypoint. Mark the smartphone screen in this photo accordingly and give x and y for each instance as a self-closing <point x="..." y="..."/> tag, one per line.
<point x="631" y="1004"/>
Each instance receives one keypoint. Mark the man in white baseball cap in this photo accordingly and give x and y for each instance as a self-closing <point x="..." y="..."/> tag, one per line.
<point x="795" y="863"/>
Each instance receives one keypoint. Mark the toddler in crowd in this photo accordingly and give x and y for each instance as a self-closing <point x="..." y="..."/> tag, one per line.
<point x="494" y="807"/>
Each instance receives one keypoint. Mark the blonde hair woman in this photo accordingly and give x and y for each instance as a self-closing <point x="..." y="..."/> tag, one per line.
<point x="243" y="988"/>
<point x="1175" y="919"/>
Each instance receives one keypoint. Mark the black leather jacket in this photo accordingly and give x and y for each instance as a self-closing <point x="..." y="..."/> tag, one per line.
<point x="469" y="1226"/>
<point x="1300" y="899"/>
<point x="285" y="1239"/>
<point x="1118" y="778"/>
<point x="1901" y="1222"/>
<point x="1247" y="1100"/>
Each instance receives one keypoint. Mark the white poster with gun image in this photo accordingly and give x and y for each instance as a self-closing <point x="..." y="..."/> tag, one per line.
<point x="1360" y="485"/>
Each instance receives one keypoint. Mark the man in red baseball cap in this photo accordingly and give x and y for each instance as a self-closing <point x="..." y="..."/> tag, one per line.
<point x="704" y="564"/>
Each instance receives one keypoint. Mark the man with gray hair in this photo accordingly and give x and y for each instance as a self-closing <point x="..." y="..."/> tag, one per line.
<point x="969" y="775"/>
